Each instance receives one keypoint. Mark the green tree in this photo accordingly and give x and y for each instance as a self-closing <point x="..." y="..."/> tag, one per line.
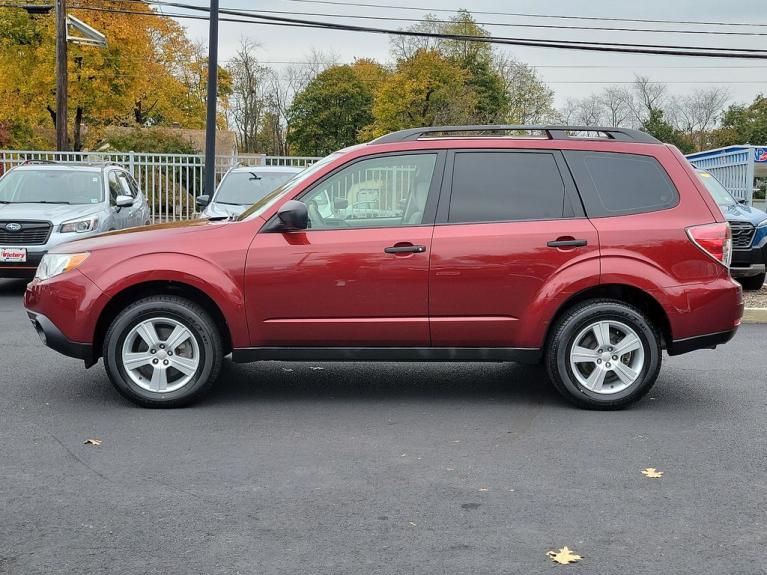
<point x="744" y="124"/>
<point x="329" y="113"/>
<point x="657" y="126"/>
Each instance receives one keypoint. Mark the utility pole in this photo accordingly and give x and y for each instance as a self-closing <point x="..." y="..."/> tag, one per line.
<point x="62" y="77"/>
<point x="210" y="123"/>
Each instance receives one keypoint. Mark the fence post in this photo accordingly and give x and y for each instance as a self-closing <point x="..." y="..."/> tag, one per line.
<point x="130" y="162"/>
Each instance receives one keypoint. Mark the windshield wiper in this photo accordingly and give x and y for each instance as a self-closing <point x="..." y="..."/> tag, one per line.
<point x="227" y="203"/>
<point x="44" y="202"/>
<point x="4" y="202"/>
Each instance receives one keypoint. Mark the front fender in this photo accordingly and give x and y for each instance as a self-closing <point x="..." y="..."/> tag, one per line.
<point x="221" y="286"/>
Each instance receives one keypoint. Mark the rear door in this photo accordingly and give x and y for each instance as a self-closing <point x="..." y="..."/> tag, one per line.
<point x="509" y="225"/>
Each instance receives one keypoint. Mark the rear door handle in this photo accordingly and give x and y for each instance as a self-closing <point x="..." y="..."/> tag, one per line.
<point x="568" y="244"/>
<point x="405" y="249"/>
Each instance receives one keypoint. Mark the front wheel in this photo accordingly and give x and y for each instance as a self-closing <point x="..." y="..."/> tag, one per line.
<point x="603" y="354"/>
<point x="163" y="351"/>
<point x="753" y="283"/>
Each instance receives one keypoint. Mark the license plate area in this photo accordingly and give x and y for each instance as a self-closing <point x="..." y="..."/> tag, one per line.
<point x="13" y="255"/>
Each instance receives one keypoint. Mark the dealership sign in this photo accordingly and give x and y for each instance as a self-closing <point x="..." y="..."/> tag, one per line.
<point x="760" y="155"/>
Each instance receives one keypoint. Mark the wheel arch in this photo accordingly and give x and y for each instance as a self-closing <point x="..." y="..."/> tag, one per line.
<point x="141" y="290"/>
<point x="621" y="292"/>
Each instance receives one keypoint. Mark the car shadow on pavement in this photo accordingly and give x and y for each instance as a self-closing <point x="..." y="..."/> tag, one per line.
<point x="476" y="382"/>
<point x="13" y="287"/>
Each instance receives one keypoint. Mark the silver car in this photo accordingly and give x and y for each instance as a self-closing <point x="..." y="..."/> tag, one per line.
<point x="242" y="187"/>
<point x="45" y="204"/>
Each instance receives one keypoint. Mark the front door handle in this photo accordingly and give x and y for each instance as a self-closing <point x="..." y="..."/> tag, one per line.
<point x="568" y="244"/>
<point x="405" y="249"/>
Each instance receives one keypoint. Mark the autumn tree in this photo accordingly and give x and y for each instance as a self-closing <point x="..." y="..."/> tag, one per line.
<point x="329" y="113"/>
<point x="425" y="90"/>
<point x="149" y="74"/>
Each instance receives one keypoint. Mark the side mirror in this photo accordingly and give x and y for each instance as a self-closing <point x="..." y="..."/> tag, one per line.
<point x="202" y="201"/>
<point x="743" y="202"/>
<point x="292" y="216"/>
<point x="123" y="201"/>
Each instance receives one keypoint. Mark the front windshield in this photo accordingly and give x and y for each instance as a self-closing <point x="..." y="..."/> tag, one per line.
<point x="716" y="189"/>
<point x="273" y="197"/>
<point x="51" y="187"/>
<point x="245" y="188"/>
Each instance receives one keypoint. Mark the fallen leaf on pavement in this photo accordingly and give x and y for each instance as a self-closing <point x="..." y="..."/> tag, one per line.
<point x="652" y="473"/>
<point x="564" y="556"/>
<point x="316" y="368"/>
<point x="483" y="489"/>
<point x="95" y="442"/>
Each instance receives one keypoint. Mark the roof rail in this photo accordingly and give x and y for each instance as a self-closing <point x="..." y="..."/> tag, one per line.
<point x="32" y="161"/>
<point x="550" y="132"/>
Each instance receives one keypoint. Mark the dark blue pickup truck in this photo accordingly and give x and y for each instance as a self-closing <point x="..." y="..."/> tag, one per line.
<point x="749" y="234"/>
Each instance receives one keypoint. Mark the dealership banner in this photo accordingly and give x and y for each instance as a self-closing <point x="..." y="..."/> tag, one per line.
<point x="760" y="155"/>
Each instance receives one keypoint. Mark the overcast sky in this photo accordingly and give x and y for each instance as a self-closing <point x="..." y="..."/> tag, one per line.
<point x="569" y="73"/>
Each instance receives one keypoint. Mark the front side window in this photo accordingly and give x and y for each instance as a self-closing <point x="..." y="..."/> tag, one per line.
<point x="506" y="186"/>
<point x="51" y="187"/>
<point x="115" y="189"/>
<point x="126" y="189"/>
<point x="386" y="191"/>
<point x="613" y="184"/>
<point x="246" y="188"/>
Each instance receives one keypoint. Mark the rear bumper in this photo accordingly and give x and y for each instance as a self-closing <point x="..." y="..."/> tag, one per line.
<point x="709" y="341"/>
<point x="52" y="336"/>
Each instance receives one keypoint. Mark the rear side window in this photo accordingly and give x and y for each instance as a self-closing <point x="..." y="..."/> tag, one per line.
<point x="506" y="186"/>
<point x="621" y="184"/>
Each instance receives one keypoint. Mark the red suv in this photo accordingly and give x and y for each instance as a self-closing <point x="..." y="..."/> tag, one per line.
<point x="587" y="249"/>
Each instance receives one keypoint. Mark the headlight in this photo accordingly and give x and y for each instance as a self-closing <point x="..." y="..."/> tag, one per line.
<point x="54" y="264"/>
<point x="763" y="224"/>
<point x="80" y="226"/>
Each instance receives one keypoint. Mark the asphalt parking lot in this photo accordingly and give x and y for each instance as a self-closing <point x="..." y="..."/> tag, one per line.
<point x="380" y="468"/>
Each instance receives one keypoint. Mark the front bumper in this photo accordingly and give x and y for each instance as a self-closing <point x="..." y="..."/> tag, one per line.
<point x="24" y="270"/>
<point x="52" y="336"/>
<point x="749" y="262"/>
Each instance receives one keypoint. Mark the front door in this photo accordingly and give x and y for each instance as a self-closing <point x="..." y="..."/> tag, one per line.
<point x="359" y="275"/>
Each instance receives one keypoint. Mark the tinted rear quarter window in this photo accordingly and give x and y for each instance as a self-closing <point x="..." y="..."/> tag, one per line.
<point x="614" y="184"/>
<point x="506" y="186"/>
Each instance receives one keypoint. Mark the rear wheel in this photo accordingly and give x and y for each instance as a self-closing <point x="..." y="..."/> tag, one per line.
<point x="603" y="354"/>
<point x="163" y="351"/>
<point x="752" y="283"/>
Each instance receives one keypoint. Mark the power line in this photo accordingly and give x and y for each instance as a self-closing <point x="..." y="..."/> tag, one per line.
<point x="515" y="24"/>
<point x="527" y="15"/>
<point x="653" y="49"/>
<point x="496" y="24"/>
<point x="630" y="48"/>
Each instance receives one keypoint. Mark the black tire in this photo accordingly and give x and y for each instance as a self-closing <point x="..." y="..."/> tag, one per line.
<point x="191" y="316"/>
<point x="562" y="339"/>
<point x="752" y="283"/>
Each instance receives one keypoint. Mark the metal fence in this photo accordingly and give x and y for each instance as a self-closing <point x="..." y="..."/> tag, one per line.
<point x="170" y="181"/>
<point x="733" y="166"/>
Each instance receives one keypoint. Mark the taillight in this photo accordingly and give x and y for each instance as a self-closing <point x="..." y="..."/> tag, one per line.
<point x="713" y="239"/>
